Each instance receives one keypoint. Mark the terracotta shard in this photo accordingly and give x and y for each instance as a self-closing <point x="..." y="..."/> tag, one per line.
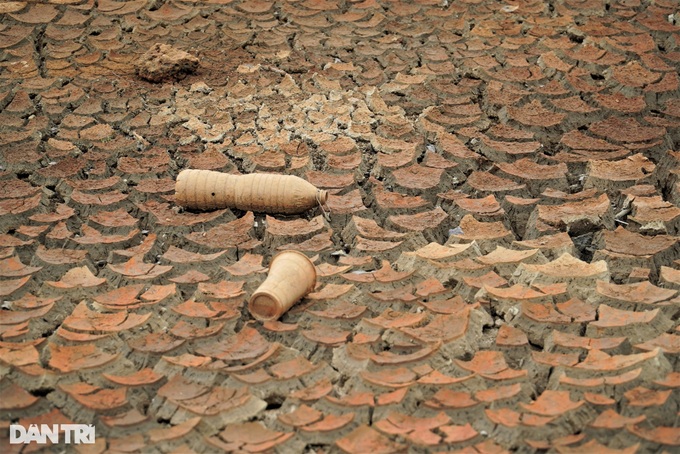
<point x="326" y="335"/>
<point x="365" y="439"/>
<point x="248" y="344"/>
<point x="246" y="265"/>
<point x="77" y="277"/>
<point x="302" y="416"/>
<point x="552" y="403"/>
<point x="664" y="435"/>
<point x="636" y="293"/>
<point x="16" y="398"/>
<point x="177" y="255"/>
<point x="67" y="359"/>
<point x="84" y="319"/>
<point x="444" y="328"/>
<point x="135" y="268"/>
<point x="91" y="236"/>
<point x="446" y="399"/>
<point x="391" y="378"/>
<point x="12" y="267"/>
<point x="626" y="130"/>
<point x="222" y="289"/>
<point x="567" y="266"/>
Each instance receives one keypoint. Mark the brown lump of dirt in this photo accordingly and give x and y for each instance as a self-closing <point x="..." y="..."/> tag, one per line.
<point x="163" y="62"/>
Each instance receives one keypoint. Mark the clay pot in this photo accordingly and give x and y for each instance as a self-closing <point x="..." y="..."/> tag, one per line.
<point x="291" y="276"/>
<point x="265" y="193"/>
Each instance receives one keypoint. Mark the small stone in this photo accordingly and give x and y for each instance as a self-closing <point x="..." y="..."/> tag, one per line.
<point x="165" y="62"/>
<point x="200" y="87"/>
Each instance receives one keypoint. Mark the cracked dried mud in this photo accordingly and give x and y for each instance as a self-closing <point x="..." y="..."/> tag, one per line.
<point x="499" y="273"/>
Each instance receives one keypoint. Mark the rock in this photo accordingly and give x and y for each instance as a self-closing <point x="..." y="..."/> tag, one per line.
<point x="163" y="62"/>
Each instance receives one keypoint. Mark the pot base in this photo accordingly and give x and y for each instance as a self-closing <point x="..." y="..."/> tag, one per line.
<point x="264" y="307"/>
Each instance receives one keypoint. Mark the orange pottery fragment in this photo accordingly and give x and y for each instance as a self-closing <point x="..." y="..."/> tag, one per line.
<point x="67" y="359"/>
<point x="13" y="397"/>
<point x="364" y="439"/>
<point x="77" y="277"/>
<point x="552" y="403"/>
<point x="135" y="268"/>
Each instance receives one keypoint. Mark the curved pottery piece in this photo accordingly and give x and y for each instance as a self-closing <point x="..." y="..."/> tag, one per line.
<point x="291" y="276"/>
<point x="264" y="192"/>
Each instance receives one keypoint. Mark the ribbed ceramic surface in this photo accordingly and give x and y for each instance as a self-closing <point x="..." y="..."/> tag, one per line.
<point x="266" y="193"/>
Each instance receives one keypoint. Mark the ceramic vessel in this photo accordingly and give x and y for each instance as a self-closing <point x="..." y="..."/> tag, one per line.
<point x="263" y="192"/>
<point x="291" y="276"/>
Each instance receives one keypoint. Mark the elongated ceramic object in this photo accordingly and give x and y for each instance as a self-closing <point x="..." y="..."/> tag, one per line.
<point x="264" y="192"/>
<point x="291" y="276"/>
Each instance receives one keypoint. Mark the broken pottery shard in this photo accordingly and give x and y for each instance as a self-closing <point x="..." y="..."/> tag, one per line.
<point x="163" y="62"/>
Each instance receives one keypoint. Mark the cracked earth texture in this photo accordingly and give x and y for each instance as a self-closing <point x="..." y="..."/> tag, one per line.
<point x="500" y="271"/>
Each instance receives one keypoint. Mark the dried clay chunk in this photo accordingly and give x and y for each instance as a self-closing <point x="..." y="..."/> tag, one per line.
<point x="163" y="62"/>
